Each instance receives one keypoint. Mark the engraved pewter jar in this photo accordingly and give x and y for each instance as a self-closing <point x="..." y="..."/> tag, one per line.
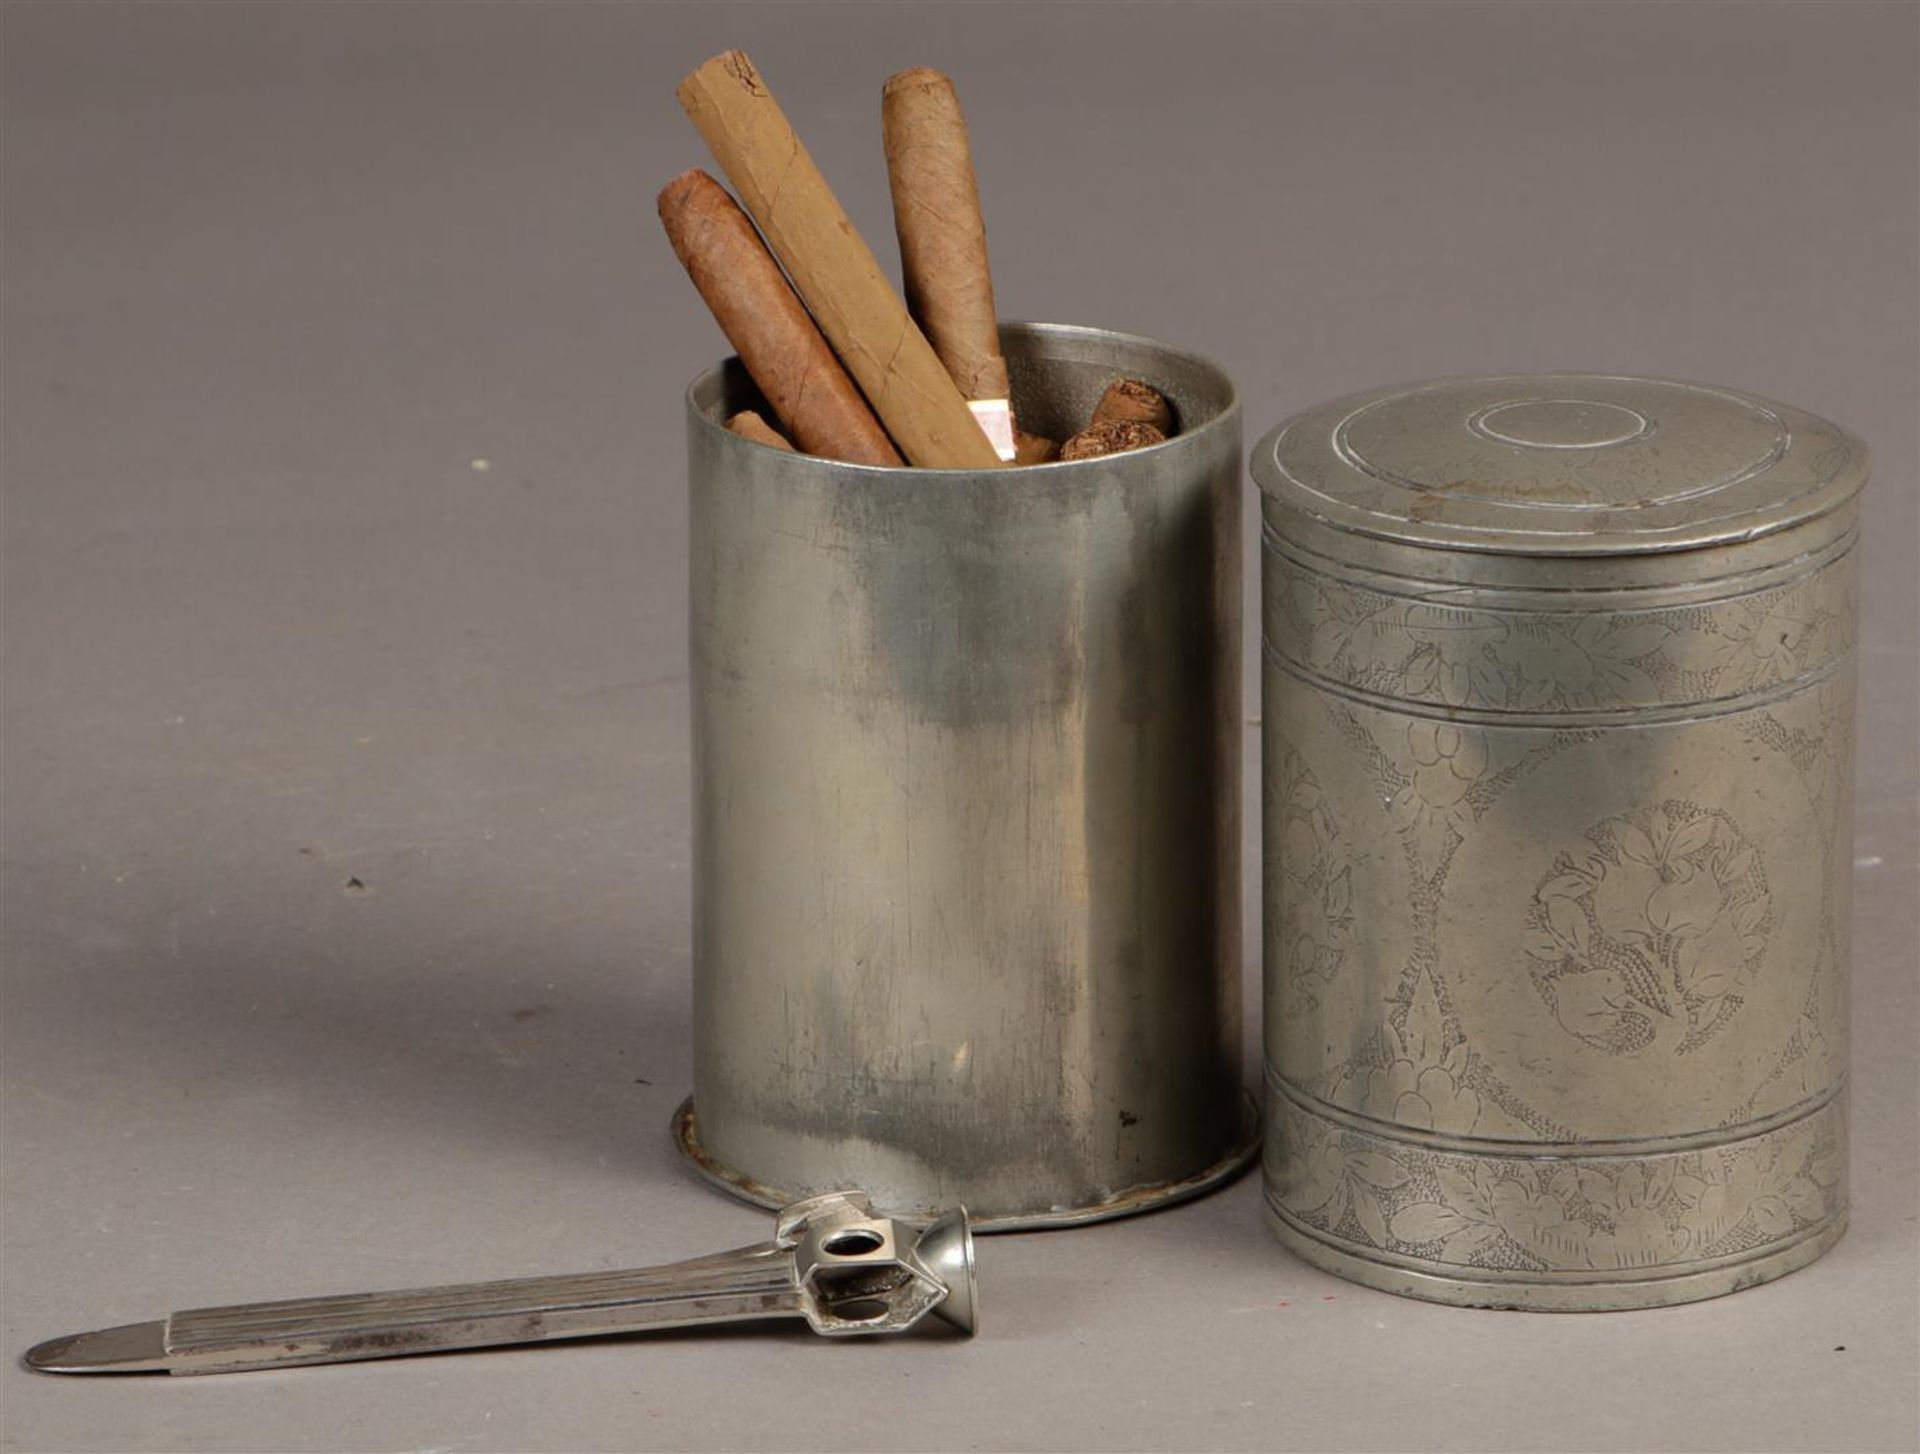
<point x="1558" y="765"/>
<point x="966" y="810"/>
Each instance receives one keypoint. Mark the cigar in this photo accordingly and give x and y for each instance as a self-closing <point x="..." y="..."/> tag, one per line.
<point x="767" y="326"/>
<point x="943" y="241"/>
<point x="833" y="270"/>
<point x="1115" y="437"/>
<point x="1129" y="401"/>
<point x="1033" y="448"/>
<point x="749" y="425"/>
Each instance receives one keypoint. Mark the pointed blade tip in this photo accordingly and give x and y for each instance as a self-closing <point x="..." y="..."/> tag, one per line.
<point x="129" y="1348"/>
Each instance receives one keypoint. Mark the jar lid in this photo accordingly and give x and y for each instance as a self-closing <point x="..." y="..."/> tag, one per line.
<point x="1558" y="464"/>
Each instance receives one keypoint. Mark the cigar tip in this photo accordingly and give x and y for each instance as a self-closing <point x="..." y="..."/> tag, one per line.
<point x="1112" y="437"/>
<point x="681" y="189"/>
<point x="733" y="65"/>
<point x="749" y="425"/>
<point x="916" y="76"/>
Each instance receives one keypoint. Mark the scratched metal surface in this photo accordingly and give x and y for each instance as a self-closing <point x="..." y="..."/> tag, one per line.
<point x="347" y="790"/>
<point x="966" y="889"/>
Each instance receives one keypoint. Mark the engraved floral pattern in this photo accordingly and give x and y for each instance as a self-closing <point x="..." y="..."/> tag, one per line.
<point x="1446" y="777"/>
<point x="1420" y="1075"/>
<point x="1314" y="881"/>
<point x="1776" y="636"/>
<point x="1334" y="1180"/>
<point x="1436" y="779"/>
<point x="1644" y="935"/>
<point x="1447" y="761"/>
<point x="1558" y="1215"/>
<point x="1561" y="661"/>
<point x="1666" y="920"/>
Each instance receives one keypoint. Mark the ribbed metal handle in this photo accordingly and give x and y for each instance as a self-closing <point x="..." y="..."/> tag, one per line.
<point x="750" y="1282"/>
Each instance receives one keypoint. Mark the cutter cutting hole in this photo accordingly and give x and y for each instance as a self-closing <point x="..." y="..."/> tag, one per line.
<point x="855" y="1242"/>
<point x="862" y="1310"/>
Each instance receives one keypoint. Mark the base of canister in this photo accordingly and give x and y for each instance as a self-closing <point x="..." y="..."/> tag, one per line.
<point x="1131" y="1202"/>
<point x="1564" y="1295"/>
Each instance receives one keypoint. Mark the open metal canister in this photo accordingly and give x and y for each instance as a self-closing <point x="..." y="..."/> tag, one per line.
<point x="966" y="810"/>
<point x="1558" y="768"/>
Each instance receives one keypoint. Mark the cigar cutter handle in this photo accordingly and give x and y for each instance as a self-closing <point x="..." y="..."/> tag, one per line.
<point x="830" y="1261"/>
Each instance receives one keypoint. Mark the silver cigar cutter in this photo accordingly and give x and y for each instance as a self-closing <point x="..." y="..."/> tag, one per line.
<point x="831" y="1261"/>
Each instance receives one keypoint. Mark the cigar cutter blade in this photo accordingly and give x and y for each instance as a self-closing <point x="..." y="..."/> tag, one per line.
<point x="830" y="1261"/>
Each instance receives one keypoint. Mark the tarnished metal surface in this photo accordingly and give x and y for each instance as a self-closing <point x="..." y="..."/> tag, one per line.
<point x="1237" y="1157"/>
<point x="831" y="1261"/>
<point x="966" y="808"/>
<point x="1558" y="765"/>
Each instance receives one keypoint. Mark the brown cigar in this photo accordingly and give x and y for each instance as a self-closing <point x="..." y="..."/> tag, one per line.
<point x="1115" y="438"/>
<point x="943" y="241"/>
<point x="749" y="425"/>
<point x="1129" y="401"/>
<point x="834" y="272"/>
<point x="767" y="326"/>
<point x="1033" y="448"/>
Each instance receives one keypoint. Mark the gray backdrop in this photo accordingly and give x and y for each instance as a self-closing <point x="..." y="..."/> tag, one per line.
<point x="346" y="779"/>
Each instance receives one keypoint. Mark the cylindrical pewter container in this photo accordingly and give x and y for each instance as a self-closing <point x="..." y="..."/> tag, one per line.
<point x="966" y="807"/>
<point x="1558" y="762"/>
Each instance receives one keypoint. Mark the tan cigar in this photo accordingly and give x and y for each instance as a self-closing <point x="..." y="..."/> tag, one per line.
<point x="749" y="425"/>
<point x="943" y="241"/>
<point x="767" y="326"/>
<point x="1129" y="401"/>
<point x="1115" y="438"/>
<point x="1033" y="448"/>
<point x="833" y="270"/>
